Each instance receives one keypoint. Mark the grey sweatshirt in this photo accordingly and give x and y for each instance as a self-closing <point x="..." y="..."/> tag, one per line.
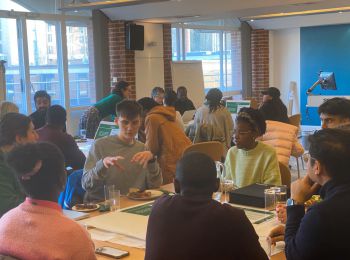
<point x="95" y="175"/>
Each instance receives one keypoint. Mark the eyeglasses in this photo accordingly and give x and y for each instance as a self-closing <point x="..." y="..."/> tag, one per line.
<point x="307" y="157"/>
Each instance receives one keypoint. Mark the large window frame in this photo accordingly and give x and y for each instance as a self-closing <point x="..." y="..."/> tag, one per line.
<point x="180" y="32"/>
<point x="61" y="22"/>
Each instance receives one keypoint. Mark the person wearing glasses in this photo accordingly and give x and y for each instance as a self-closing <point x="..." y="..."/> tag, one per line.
<point x="251" y="161"/>
<point x="322" y="232"/>
<point x="335" y="113"/>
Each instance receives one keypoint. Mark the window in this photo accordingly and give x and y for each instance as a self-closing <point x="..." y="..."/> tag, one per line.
<point x="81" y="81"/>
<point x="39" y="56"/>
<point x="217" y="51"/>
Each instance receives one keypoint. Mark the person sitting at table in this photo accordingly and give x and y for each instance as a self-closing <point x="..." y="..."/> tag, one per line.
<point x="334" y="113"/>
<point x="120" y="159"/>
<point x="323" y="231"/>
<point x="169" y="101"/>
<point x="183" y="103"/>
<point x="91" y="118"/>
<point x="37" y="228"/>
<point x="15" y="129"/>
<point x="165" y="139"/>
<point x="42" y="102"/>
<point x="7" y="107"/>
<point x="272" y="107"/>
<point x="53" y="132"/>
<point x="157" y="94"/>
<point x="251" y="161"/>
<point x="212" y="121"/>
<point x="191" y="225"/>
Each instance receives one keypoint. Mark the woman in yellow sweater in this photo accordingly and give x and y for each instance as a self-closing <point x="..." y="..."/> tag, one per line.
<point x="251" y="161"/>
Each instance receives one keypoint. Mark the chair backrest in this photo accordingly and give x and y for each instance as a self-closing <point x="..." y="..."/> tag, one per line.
<point x="295" y="120"/>
<point x="285" y="175"/>
<point x="213" y="149"/>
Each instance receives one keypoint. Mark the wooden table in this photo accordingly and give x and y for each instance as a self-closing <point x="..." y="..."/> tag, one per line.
<point x="136" y="253"/>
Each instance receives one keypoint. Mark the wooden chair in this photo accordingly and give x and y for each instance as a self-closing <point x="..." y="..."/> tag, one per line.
<point x="286" y="176"/>
<point x="213" y="149"/>
<point x="295" y="120"/>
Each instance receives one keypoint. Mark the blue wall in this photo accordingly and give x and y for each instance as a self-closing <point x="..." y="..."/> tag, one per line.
<point x="325" y="48"/>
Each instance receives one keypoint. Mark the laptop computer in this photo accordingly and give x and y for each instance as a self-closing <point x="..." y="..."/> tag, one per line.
<point x="106" y="128"/>
<point x="188" y="115"/>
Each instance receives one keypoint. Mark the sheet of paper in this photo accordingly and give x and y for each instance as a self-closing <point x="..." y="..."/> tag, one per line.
<point x="128" y="241"/>
<point x="263" y="231"/>
<point x="101" y="235"/>
<point x="122" y="223"/>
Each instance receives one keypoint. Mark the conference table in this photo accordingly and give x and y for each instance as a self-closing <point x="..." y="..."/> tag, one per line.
<point x="137" y="253"/>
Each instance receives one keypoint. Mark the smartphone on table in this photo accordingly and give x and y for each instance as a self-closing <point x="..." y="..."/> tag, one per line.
<point x="111" y="252"/>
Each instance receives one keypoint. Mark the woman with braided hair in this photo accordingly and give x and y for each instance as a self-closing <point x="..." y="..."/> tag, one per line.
<point x="251" y="161"/>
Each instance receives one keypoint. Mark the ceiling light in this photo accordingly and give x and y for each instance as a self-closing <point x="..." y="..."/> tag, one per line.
<point x="106" y="4"/>
<point x="252" y="20"/>
<point x="307" y="12"/>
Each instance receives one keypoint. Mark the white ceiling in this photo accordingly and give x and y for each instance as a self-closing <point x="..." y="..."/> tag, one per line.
<point x="185" y="10"/>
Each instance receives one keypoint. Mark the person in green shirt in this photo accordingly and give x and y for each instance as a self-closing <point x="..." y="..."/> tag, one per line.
<point x="15" y="129"/>
<point x="103" y="108"/>
<point x="251" y="161"/>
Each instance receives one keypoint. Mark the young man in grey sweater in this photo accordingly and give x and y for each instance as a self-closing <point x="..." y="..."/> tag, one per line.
<point x="120" y="159"/>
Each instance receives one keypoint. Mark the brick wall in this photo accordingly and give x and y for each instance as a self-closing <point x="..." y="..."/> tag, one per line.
<point x="122" y="61"/>
<point x="260" y="62"/>
<point x="167" y="56"/>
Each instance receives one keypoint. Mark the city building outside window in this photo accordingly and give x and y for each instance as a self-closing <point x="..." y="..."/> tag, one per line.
<point x="217" y="51"/>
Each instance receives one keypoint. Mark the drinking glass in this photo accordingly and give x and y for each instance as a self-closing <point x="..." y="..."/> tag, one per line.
<point x="281" y="195"/>
<point x="226" y="184"/>
<point x="269" y="199"/>
<point x="112" y="197"/>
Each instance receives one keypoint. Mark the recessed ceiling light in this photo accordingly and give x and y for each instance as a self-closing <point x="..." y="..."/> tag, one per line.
<point x="340" y="12"/>
<point x="252" y="20"/>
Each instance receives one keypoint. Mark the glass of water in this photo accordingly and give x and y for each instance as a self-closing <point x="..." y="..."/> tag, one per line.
<point x="269" y="199"/>
<point x="112" y="197"/>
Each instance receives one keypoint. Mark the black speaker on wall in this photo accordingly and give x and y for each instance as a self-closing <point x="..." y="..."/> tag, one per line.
<point x="134" y="37"/>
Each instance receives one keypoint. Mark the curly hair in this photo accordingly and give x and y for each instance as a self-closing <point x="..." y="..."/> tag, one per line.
<point x="254" y="118"/>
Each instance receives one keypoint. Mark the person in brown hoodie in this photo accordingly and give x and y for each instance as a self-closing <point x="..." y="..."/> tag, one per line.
<point x="165" y="139"/>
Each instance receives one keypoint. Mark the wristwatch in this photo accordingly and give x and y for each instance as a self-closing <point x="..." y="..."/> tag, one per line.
<point x="291" y="202"/>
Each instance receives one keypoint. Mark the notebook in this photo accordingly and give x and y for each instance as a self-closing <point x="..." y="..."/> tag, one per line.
<point x="252" y="195"/>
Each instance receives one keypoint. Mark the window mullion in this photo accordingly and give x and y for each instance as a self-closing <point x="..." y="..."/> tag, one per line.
<point x="23" y="55"/>
<point x="222" y="86"/>
<point x="63" y="68"/>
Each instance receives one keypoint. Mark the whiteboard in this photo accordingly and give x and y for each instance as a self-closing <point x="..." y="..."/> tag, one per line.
<point x="189" y="74"/>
